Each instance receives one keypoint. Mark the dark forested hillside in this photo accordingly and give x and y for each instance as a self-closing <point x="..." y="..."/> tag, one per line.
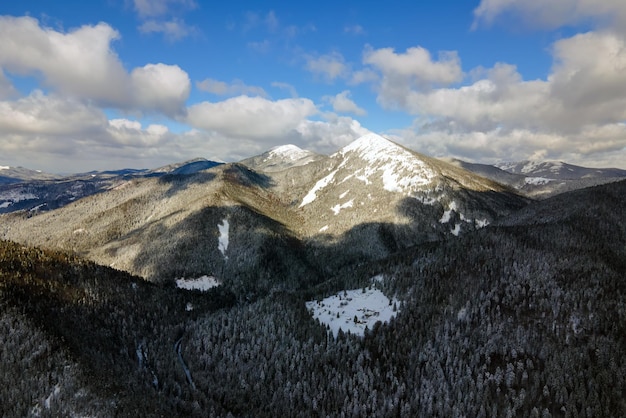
<point x="525" y="318"/>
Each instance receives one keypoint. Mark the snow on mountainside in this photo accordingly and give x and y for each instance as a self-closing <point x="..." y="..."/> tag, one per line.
<point x="559" y="170"/>
<point x="378" y="182"/>
<point x="281" y="158"/>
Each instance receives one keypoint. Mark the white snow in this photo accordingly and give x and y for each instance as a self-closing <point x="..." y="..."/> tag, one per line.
<point x="401" y="170"/>
<point x="337" y="208"/>
<point x="448" y="213"/>
<point x="4" y="167"/>
<point x="324" y="228"/>
<point x="537" y="181"/>
<point x="481" y="223"/>
<point x="203" y="283"/>
<point x="342" y="195"/>
<point x="289" y="151"/>
<point x="16" y="195"/>
<point x="456" y="230"/>
<point x="338" y="311"/>
<point x="222" y="244"/>
<point x="318" y="186"/>
<point x="5" y="204"/>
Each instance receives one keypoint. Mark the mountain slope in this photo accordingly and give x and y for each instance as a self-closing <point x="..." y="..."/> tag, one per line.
<point x="525" y="317"/>
<point x="370" y="199"/>
<point x="540" y="180"/>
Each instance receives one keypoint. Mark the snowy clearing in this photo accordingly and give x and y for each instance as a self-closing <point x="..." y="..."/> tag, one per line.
<point x="446" y="214"/>
<point x="203" y="283"/>
<point x="222" y="244"/>
<point x="339" y="311"/>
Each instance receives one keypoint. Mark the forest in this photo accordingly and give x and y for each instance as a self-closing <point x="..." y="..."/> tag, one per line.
<point x="523" y="318"/>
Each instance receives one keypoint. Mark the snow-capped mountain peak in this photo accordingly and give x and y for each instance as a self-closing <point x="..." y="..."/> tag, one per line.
<point x="289" y="151"/>
<point x="401" y="170"/>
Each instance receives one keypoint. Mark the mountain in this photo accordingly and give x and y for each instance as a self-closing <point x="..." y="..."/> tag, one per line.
<point x="285" y="228"/>
<point x="540" y="180"/>
<point x="524" y="317"/>
<point x="42" y="192"/>
<point x="10" y="175"/>
<point x="559" y="170"/>
<point x="374" y="197"/>
<point x="281" y="158"/>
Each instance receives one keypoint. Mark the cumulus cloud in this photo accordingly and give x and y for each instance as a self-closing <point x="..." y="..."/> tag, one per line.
<point x="81" y="64"/>
<point x="251" y="117"/>
<point x="236" y="87"/>
<point x="343" y="104"/>
<point x="577" y="111"/>
<point x="554" y="13"/>
<point x="413" y="70"/>
<point x="329" y="66"/>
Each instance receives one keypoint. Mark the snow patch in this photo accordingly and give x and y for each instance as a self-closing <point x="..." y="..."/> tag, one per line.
<point x="337" y="208"/>
<point x="222" y="244"/>
<point x="339" y="311"/>
<point x="537" y="181"/>
<point x="203" y="283"/>
<point x="456" y="230"/>
<point x="4" y="167"/>
<point x="5" y="204"/>
<point x="318" y="186"/>
<point x="342" y="195"/>
<point x="448" y="213"/>
<point x="324" y="228"/>
<point x="481" y="223"/>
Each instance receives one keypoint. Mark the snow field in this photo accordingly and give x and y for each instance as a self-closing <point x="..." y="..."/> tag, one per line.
<point x="202" y="283"/>
<point x="339" y="311"/>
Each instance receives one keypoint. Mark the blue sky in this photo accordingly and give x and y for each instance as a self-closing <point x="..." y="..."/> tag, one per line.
<point x="142" y="83"/>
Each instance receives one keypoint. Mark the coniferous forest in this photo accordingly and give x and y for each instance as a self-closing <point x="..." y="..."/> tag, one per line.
<point x="523" y="318"/>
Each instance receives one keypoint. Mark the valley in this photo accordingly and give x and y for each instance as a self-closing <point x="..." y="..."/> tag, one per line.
<point x="375" y="281"/>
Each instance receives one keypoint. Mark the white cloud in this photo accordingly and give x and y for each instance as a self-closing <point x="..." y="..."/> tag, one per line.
<point x="161" y="87"/>
<point x="286" y="86"/>
<point x="82" y="64"/>
<point x="173" y="30"/>
<point x="236" y="87"/>
<point x="155" y="8"/>
<point x="7" y="89"/>
<point x="343" y="104"/>
<point x="251" y="117"/>
<point x="38" y="114"/>
<point x="330" y="66"/>
<point x="413" y="70"/>
<point x="577" y="112"/>
<point x="164" y="16"/>
<point x="554" y="13"/>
